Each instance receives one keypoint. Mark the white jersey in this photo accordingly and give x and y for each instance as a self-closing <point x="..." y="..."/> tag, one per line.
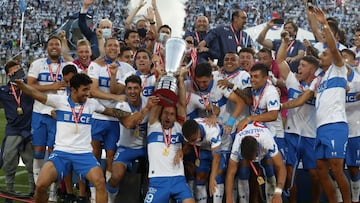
<point x="102" y="75"/>
<point x="264" y="100"/>
<point x="357" y="58"/>
<point x="73" y="137"/>
<point x="213" y="95"/>
<point x="148" y="85"/>
<point x="262" y="135"/>
<point x="352" y="105"/>
<point x="321" y="46"/>
<point x="161" y="165"/>
<point x="127" y="137"/>
<point x="241" y="79"/>
<point x="300" y="120"/>
<point x="330" y="96"/>
<point x="40" y="69"/>
<point x="210" y="135"/>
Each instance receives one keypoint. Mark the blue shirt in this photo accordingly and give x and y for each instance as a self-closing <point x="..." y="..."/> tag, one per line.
<point x="222" y="40"/>
<point x="16" y="124"/>
<point x="292" y="51"/>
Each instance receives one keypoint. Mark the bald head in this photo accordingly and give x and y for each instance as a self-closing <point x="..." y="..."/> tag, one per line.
<point x="202" y="24"/>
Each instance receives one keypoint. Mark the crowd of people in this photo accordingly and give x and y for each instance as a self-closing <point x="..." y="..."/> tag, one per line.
<point x="227" y="121"/>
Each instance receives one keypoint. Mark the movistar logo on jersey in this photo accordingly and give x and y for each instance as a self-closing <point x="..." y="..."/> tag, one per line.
<point x="274" y="103"/>
<point x="245" y="82"/>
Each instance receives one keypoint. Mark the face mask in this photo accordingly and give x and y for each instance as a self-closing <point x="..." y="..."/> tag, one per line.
<point x="106" y="33"/>
<point x="162" y="37"/>
<point x="142" y="32"/>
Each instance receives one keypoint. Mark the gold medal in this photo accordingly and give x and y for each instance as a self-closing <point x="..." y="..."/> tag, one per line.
<point x="19" y="111"/>
<point x="197" y="162"/>
<point x="260" y="180"/>
<point x="166" y="152"/>
<point x="136" y="131"/>
<point x="238" y="49"/>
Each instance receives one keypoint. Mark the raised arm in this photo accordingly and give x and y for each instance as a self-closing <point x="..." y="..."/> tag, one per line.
<point x="298" y="101"/>
<point x="65" y="47"/>
<point x="313" y="23"/>
<point x="329" y="36"/>
<point x="261" y="38"/>
<point x="32" y="92"/>
<point x="282" y="54"/>
<point x="181" y="105"/>
<point x="157" y="15"/>
<point x="133" y="13"/>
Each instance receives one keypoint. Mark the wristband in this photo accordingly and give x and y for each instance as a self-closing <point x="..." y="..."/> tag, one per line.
<point x="278" y="190"/>
<point x="234" y="87"/>
<point x="231" y="121"/>
<point x="152" y="23"/>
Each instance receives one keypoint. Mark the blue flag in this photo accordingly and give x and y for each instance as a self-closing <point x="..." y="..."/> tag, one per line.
<point x="22" y="5"/>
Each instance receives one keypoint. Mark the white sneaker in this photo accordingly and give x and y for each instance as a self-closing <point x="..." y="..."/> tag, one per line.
<point x="52" y="196"/>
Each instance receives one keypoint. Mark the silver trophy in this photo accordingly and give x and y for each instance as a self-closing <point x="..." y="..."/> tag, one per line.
<point x="167" y="87"/>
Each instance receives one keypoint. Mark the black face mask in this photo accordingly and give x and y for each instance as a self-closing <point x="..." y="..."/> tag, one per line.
<point x="142" y="32"/>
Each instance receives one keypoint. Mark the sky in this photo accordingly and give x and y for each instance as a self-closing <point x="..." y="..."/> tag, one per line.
<point x="172" y="14"/>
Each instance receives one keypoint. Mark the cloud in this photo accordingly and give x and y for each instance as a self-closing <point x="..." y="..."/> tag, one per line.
<point x="172" y="13"/>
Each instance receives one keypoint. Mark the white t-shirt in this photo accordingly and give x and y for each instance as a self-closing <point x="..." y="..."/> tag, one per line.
<point x="352" y="105"/>
<point x="159" y="164"/>
<point x="262" y="135"/>
<point x="71" y="137"/>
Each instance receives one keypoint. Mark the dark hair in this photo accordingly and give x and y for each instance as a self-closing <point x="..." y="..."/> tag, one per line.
<point x="248" y="147"/>
<point x="53" y="37"/>
<point x="235" y="14"/>
<point x="247" y="50"/>
<point x="133" y="79"/>
<point x="70" y="68"/>
<point x="265" y="50"/>
<point x="203" y="69"/>
<point x="312" y="60"/>
<point x="128" y="32"/>
<point x="334" y="28"/>
<point x="296" y="28"/>
<point x="348" y="51"/>
<point x="164" y="26"/>
<point x="123" y="49"/>
<point x="110" y="38"/>
<point x="10" y="64"/>
<point x="80" y="79"/>
<point x="333" y="20"/>
<point x="260" y="67"/>
<point x="143" y="50"/>
<point x="189" y="128"/>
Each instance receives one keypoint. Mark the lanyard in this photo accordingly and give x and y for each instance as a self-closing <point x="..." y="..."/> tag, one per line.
<point x="238" y="42"/>
<point x="197" y="37"/>
<point x="167" y="137"/>
<point x="17" y="98"/>
<point x="231" y="75"/>
<point x="256" y="104"/>
<point x="72" y="106"/>
<point x="51" y="72"/>
<point x="290" y="45"/>
<point x="108" y="62"/>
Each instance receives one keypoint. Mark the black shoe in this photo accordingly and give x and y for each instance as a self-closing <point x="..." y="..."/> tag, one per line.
<point x="69" y="198"/>
<point x="81" y="200"/>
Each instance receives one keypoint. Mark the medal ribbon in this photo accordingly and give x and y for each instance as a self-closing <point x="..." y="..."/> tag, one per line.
<point x="256" y="104"/>
<point x="238" y="42"/>
<point x="51" y="72"/>
<point x="72" y="106"/>
<point x="254" y="169"/>
<point x="167" y="137"/>
<point x="290" y="45"/>
<point x="17" y="98"/>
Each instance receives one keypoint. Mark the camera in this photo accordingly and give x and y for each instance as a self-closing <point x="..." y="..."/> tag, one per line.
<point x="19" y="74"/>
<point x="278" y="21"/>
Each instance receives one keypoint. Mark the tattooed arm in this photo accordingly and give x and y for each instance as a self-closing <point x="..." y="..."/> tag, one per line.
<point x="245" y="94"/>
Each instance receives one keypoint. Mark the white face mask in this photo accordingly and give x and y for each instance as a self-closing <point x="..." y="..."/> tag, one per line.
<point x="162" y="37"/>
<point x="106" y="33"/>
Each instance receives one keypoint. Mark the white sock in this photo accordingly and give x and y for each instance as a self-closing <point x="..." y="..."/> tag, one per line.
<point x="111" y="197"/>
<point x="107" y="175"/>
<point x="270" y="188"/>
<point x="243" y="191"/>
<point x="201" y="194"/>
<point x="219" y="193"/>
<point x="338" y="193"/>
<point x="37" y="164"/>
<point x="53" y="192"/>
<point x="355" y="190"/>
<point x="191" y="184"/>
<point x="235" y="189"/>
<point x="93" y="195"/>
